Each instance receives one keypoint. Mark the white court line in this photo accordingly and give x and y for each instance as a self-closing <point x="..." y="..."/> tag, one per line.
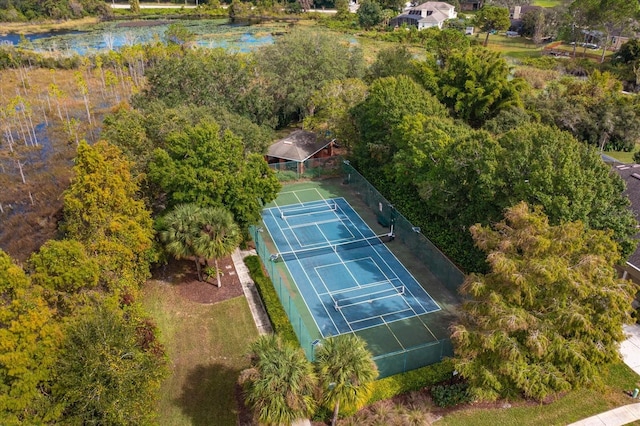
<point x="392" y="270"/>
<point x="314" y="290"/>
<point x="320" y="222"/>
<point x="394" y="273"/>
<point x="361" y="287"/>
<point x="378" y="316"/>
<point x="297" y="286"/>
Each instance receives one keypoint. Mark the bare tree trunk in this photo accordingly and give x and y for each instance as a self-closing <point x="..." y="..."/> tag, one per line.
<point x="199" y="269"/>
<point x="215" y="261"/>
<point x="336" y="410"/>
<point x="21" y="172"/>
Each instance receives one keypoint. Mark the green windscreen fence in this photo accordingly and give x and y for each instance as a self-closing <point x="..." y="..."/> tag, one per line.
<point x="421" y="246"/>
<point x="398" y="346"/>
<point x="289" y="296"/>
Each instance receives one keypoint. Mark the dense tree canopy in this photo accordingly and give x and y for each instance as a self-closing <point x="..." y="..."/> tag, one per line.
<point x="593" y="110"/>
<point x="389" y="100"/>
<point x="21" y="10"/>
<point x="109" y="371"/>
<point x="478" y="177"/>
<point x="549" y="314"/>
<point x="28" y="347"/>
<point x="476" y="85"/>
<point x="102" y="212"/>
<point x="299" y="63"/>
<point x="200" y="166"/>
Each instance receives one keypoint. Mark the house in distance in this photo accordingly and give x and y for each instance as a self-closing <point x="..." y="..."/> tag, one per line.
<point x="425" y="15"/>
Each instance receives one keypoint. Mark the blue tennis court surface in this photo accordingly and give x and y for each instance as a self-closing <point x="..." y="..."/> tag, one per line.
<point x="346" y="275"/>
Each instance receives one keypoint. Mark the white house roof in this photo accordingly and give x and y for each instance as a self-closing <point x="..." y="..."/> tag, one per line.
<point x="433" y="5"/>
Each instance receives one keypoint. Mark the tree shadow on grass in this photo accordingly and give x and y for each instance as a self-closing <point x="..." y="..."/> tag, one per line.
<point x="208" y="395"/>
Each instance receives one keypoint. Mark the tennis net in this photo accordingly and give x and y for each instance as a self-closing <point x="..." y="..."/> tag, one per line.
<point x="367" y="298"/>
<point x="331" y="248"/>
<point x="304" y="210"/>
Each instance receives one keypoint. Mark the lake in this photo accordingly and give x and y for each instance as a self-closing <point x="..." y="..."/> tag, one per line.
<point x="113" y="35"/>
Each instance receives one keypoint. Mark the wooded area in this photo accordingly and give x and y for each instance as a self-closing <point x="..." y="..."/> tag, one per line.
<point x="108" y="159"/>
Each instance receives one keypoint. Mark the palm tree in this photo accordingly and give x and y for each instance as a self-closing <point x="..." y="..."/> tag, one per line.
<point x="280" y="384"/>
<point x="179" y="230"/>
<point x="346" y="370"/>
<point x="219" y="236"/>
<point x="201" y="233"/>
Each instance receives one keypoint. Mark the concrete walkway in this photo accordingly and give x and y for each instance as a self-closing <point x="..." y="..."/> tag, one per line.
<point x="258" y="312"/>
<point x="616" y="417"/>
<point x="630" y="351"/>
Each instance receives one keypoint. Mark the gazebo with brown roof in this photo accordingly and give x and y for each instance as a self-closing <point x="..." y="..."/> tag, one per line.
<point x="300" y="146"/>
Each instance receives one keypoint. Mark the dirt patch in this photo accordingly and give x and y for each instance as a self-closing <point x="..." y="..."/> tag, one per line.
<point x="182" y="273"/>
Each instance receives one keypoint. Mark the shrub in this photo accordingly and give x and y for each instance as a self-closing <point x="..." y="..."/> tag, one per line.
<point x="449" y="395"/>
<point x="275" y="311"/>
<point x="411" y="380"/>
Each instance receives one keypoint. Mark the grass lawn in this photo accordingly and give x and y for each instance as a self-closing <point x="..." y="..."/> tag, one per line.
<point x="572" y="407"/>
<point x="206" y="345"/>
<point x="547" y="3"/>
<point x="515" y="47"/>
<point x="622" y="156"/>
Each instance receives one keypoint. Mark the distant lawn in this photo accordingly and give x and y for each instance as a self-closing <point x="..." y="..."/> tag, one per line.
<point x="547" y="3"/>
<point x="574" y="406"/>
<point x="206" y="345"/>
<point x="515" y="47"/>
<point x="621" y="156"/>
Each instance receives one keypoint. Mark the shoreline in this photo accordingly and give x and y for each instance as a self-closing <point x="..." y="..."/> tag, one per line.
<point x="45" y="26"/>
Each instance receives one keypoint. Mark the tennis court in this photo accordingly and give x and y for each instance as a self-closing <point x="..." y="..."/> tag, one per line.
<point x="348" y="278"/>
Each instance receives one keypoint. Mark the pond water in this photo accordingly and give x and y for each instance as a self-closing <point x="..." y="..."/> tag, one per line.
<point x="113" y="35"/>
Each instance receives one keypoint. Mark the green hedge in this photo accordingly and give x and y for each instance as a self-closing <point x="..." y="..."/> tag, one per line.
<point x="277" y="315"/>
<point x="411" y="380"/>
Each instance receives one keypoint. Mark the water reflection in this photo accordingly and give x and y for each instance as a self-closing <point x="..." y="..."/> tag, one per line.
<point x="114" y="35"/>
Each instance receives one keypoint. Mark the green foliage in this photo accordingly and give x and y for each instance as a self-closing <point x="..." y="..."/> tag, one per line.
<point x="446" y="42"/>
<point x="213" y="78"/>
<point x="280" y="384"/>
<point x="101" y="212"/>
<point x="548" y="316"/>
<point x="476" y="86"/>
<point x="134" y="6"/>
<point x="275" y="311"/>
<point x="342" y="8"/>
<point x="200" y="232"/>
<point x="330" y="107"/>
<point x="593" y="110"/>
<point x="21" y="10"/>
<point x="448" y="395"/>
<point x="200" y="166"/>
<point x="110" y="368"/>
<point x="369" y="14"/>
<point x="492" y="18"/>
<point x="179" y="34"/>
<point x="507" y="119"/>
<point x="299" y="63"/>
<point x="346" y="370"/>
<point x="412" y="380"/>
<point x="391" y="62"/>
<point x="28" y="348"/>
<point x="477" y="177"/>
<point x="389" y="101"/>
<point x="125" y="129"/>
<point x="63" y="266"/>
